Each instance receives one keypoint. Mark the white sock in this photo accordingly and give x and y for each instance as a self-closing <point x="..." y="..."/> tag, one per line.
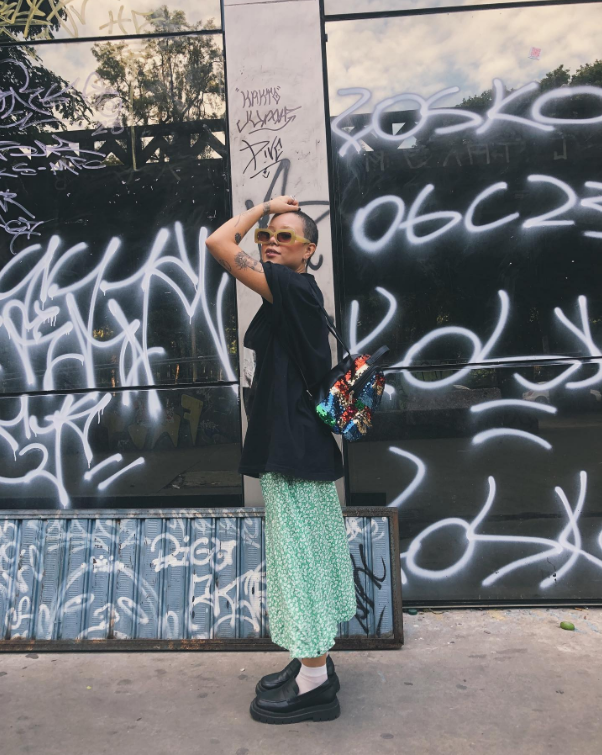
<point x="310" y="677"/>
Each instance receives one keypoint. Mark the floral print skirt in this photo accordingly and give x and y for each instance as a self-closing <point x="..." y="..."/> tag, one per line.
<point x="309" y="572"/>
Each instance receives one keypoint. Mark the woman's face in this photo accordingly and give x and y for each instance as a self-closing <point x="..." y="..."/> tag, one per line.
<point x="291" y="255"/>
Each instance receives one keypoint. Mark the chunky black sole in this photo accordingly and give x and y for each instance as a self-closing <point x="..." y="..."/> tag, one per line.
<point x="327" y="712"/>
<point x="260" y="688"/>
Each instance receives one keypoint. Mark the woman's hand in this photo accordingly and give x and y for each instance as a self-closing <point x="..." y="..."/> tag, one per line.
<point x="281" y="204"/>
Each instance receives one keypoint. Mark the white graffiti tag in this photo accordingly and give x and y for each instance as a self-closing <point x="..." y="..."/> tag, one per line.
<point x="467" y="121"/>
<point x="47" y="319"/>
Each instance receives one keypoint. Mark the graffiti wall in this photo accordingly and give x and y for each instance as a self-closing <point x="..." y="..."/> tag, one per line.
<point x="468" y="200"/>
<point x="466" y="206"/>
<point x="173" y="577"/>
<point x="118" y="344"/>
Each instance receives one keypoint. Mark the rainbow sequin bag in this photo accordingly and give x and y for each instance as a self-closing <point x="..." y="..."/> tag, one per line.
<point x="348" y="396"/>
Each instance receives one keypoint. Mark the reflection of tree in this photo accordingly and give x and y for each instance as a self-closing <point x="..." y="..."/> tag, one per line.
<point x="590" y="73"/>
<point x="31" y="94"/>
<point x="34" y="101"/>
<point x="553" y="79"/>
<point x="35" y="19"/>
<point x="170" y="80"/>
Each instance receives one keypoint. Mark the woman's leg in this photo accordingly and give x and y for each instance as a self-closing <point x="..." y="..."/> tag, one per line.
<point x="313" y="662"/>
<point x="312" y="674"/>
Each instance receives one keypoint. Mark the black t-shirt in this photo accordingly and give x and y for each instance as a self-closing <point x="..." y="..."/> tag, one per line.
<point x="284" y="432"/>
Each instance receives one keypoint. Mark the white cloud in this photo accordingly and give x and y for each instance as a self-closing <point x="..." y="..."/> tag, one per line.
<point x="333" y="7"/>
<point x="424" y="54"/>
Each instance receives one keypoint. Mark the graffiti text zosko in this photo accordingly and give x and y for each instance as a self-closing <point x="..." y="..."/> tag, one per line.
<point x="538" y="120"/>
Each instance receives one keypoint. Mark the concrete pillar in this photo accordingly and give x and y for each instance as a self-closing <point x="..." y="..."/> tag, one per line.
<point x="277" y="128"/>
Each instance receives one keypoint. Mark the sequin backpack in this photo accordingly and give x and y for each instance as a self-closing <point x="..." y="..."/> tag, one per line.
<point x="347" y="397"/>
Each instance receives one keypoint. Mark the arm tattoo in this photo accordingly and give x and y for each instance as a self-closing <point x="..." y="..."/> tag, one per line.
<point x="266" y="208"/>
<point x="243" y="262"/>
<point x="237" y="238"/>
<point x="225" y="265"/>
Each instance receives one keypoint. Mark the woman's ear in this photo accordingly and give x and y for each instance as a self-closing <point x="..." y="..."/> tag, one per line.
<point x="311" y="248"/>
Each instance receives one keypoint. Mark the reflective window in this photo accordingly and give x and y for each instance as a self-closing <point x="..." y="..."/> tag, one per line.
<point x="113" y="171"/>
<point x="466" y="209"/>
<point x="467" y="192"/>
<point x="495" y="473"/>
<point x="71" y="19"/>
<point x="133" y="449"/>
<point x="111" y="182"/>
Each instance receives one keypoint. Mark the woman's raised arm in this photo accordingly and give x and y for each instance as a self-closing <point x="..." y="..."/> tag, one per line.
<point x="224" y="244"/>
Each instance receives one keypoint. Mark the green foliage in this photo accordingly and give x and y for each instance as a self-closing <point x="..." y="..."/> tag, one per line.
<point x="590" y="73"/>
<point x="479" y="103"/>
<point x="169" y="79"/>
<point x="555" y="79"/>
<point x="21" y="66"/>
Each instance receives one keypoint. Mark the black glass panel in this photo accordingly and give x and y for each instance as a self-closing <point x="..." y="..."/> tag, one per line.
<point x="111" y="176"/>
<point x="497" y="478"/>
<point x="132" y="449"/>
<point x="72" y="19"/>
<point x="467" y="215"/>
<point x="467" y="187"/>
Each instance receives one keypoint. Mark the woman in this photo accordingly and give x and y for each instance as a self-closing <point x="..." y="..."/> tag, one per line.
<point x="309" y="574"/>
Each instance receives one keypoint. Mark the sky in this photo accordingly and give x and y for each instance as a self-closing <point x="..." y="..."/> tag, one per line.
<point x="421" y="54"/>
<point x="373" y="6"/>
<point x="424" y="54"/>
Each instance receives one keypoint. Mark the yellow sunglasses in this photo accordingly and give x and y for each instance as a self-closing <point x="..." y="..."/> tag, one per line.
<point x="282" y="236"/>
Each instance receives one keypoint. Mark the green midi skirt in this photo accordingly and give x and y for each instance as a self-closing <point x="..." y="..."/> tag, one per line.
<point x="309" y="573"/>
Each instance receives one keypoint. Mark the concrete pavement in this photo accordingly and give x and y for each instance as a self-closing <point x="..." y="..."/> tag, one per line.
<point x="473" y="681"/>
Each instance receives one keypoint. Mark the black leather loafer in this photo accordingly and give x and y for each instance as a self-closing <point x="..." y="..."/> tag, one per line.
<point x="284" y="705"/>
<point x="271" y="681"/>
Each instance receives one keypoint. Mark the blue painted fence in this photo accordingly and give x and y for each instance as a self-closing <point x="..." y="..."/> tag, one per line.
<point x="174" y="579"/>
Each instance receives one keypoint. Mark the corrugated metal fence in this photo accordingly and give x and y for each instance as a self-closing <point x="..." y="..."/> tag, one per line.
<point x="176" y="579"/>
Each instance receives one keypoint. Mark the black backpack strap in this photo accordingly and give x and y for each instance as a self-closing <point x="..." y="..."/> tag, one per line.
<point x="333" y="329"/>
<point x="378" y="354"/>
